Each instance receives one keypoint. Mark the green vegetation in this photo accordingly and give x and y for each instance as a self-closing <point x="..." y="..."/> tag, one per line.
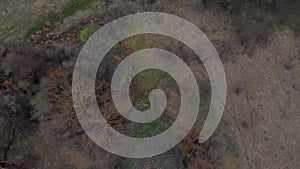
<point x="77" y="5"/>
<point x="145" y="130"/>
<point x="53" y="18"/>
<point x="35" y="28"/>
<point x="144" y="104"/>
<point x="68" y="11"/>
<point x="40" y="25"/>
<point x="149" y="79"/>
<point x="130" y="165"/>
<point x="82" y="34"/>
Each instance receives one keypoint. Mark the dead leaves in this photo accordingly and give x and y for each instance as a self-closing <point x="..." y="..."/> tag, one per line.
<point x="124" y="48"/>
<point x="118" y="59"/>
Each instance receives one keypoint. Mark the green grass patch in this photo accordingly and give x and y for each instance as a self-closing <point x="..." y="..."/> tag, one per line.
<point x="144" y="104"/>
<point x="77" y="5"/>
<point x="130" y="165"/>
<point x="53" y="18"/>
<point x="35" y="28"/>
<point x="82" y="34"/>
<point x="40" y="25"/>
<point x="145" y="130"/>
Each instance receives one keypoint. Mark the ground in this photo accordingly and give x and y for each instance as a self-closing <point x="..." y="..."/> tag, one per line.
<point x="258" y="43"/>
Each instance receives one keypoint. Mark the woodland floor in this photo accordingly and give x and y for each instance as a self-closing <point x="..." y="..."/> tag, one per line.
<point x="258" y="43"/>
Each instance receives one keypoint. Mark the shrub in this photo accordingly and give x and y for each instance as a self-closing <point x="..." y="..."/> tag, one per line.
<point x="15" y="120"/>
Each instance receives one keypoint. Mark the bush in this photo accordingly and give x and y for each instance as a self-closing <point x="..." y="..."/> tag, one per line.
<point x="31" y="62"/>
<point x="15" y="120"/>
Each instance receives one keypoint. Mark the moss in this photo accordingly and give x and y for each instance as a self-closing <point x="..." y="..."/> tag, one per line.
<point x="68" y="11"/>
<point x="77" y="5"/>
<point x="82" y="34"/>
<point x="35" y="28"/>
<point x="144" y="104"/>
<point x="40" y="25"/>
<point x="130" y="165"/>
